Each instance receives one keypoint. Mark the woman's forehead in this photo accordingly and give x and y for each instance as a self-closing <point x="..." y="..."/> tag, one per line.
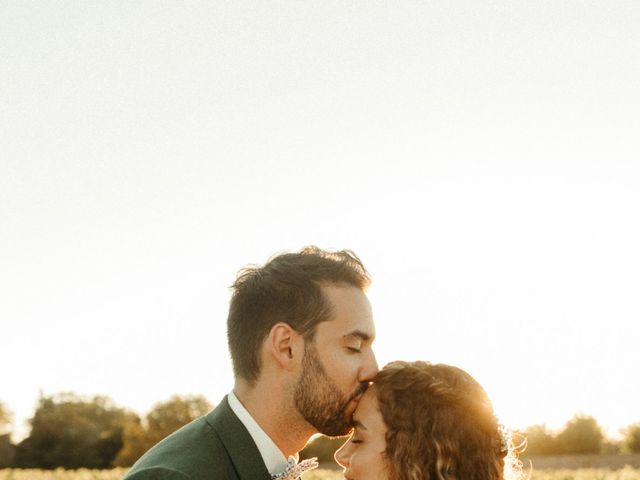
<point x="368" y="415"/>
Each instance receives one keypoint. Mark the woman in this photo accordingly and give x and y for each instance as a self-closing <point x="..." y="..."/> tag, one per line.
<point x="420" y="421"/>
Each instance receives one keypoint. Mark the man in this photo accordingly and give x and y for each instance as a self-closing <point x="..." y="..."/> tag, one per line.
<point x="300" y="331"/>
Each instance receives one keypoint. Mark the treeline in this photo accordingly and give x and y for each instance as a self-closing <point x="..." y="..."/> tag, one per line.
<point x="580" y="435"/>
<point x="69" y="431"/>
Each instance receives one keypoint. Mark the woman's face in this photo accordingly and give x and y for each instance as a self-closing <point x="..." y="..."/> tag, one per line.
<point x="362" y="456"/>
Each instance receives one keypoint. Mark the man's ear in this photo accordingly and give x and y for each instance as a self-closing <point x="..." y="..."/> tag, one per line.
<point x="281" y="343"/>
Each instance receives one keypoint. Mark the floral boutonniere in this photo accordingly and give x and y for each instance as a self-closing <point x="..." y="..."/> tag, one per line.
<point x="295" y="469"/>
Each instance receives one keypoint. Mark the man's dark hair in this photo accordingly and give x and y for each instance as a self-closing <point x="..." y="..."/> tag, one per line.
<point x="288" y="288"/>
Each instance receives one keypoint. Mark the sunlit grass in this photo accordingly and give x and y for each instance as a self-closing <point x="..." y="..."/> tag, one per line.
<point x="61" y="474"/>
<point x="626" y="473"/>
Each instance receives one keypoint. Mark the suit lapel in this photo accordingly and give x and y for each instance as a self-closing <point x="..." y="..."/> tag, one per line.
<point x="240" y="446"/>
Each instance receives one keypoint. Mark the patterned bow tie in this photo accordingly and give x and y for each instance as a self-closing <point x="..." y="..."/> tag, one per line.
<point x="295" y="469"/>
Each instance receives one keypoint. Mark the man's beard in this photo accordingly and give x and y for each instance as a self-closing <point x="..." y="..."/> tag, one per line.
<point x="318" y="399"/>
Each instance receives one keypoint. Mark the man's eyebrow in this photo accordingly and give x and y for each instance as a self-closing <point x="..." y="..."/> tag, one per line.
<point x="358" y="334"/>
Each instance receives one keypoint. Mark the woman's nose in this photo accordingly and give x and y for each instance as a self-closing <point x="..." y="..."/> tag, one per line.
<point x="342" y="455"/>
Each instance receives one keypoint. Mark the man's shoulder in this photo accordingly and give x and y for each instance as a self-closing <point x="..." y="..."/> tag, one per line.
<point x="193" y="452"/>
<point x="157" y="473"/>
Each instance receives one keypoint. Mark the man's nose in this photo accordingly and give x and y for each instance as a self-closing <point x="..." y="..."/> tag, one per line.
<point x="342" y="456"/>
<point x="369" y="369"/>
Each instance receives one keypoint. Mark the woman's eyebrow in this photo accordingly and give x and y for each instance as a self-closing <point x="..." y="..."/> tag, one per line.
<point x="358" y="424"/>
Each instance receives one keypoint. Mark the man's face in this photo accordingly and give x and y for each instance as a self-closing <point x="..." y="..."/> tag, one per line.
<point x="338" y="363"/>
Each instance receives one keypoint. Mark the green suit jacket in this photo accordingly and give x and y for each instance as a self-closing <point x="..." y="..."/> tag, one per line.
<point x="214" y="447"/>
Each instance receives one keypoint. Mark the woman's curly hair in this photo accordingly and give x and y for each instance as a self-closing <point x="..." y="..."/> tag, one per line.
<point x="441" y="425"/>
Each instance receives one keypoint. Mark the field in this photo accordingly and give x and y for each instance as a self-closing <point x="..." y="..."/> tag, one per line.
<point x="626" y="473"/>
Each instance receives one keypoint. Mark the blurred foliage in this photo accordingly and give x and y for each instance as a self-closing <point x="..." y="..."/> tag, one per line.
<point x="134" y="443"/>
<point x="167" y="417"/>
<point x="610" y="447"/>
<point x="581" y="434"/>
<point x="540" y="441"/>
<point x="632" y="438"/>
<point x="70" y="432"/>
<point x="164" y="419"/>
<point x="7" y="451"/>
<point x="323" y="448"/>
<point x="5" y="419"/>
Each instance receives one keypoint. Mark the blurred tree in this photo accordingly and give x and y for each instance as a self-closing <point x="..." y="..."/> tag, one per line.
<point x="69" y="432"/>
<point x="540" y="441"/>
<point x="164" y="419"/>
<point x="581" y="434"/>
<point x="5" y="419"/>
<point x="323" y="448"/>
<point x="632" y="438"/>
<point x="134" y="443"/>
<point x="7" y="449"/>
<point x="168" y="416"/>
<point x="610" y="447"/>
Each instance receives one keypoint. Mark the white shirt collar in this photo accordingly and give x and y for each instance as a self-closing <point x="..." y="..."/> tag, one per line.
<point x="272" y="456"/>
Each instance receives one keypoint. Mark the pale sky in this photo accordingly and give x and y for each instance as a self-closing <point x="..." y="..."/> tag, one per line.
<point x="480" y="157"/>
